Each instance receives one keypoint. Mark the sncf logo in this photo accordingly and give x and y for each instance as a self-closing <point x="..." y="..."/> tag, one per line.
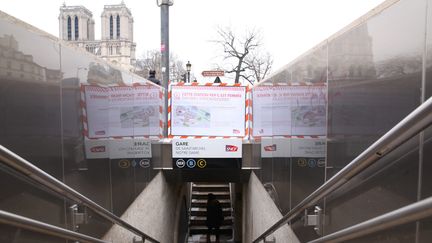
<point x="98" y="149"/>
<point x="231" y="148"/>
<point x="270" y="147"/>
<point x="100" y="132"/>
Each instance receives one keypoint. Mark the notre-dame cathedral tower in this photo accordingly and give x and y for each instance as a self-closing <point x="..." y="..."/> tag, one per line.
<point x="116" y="44"/>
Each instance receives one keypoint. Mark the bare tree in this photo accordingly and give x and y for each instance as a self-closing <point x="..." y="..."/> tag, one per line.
<point x="236" y="49"/>
<point x="151" y="60"/>
<point x="258" y="66"/>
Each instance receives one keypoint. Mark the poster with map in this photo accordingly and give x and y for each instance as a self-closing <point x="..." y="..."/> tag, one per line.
<point x="121" y="111"/>
<point x="289" y="110"/>
<point x="208" y="111"/>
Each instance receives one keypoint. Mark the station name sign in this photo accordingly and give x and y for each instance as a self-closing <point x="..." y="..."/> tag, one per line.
<point x="206" y="153"/>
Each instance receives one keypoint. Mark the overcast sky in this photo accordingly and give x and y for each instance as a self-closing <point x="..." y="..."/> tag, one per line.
<point x="289" y="28"/>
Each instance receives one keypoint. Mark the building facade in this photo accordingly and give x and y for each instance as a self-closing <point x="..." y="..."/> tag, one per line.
<point x="76" y="25"/>
<point x="16" y="65"/>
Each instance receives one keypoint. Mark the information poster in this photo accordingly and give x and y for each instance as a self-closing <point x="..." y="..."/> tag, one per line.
<point x="122" y="111"/>
<point x="289" y="110"/>
<point x="208" y="111"/>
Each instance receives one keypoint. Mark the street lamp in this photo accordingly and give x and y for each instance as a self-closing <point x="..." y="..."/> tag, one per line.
<point x="164" y="6"/>
<point x="164" y="2"/>
<point x="188" y="69"/>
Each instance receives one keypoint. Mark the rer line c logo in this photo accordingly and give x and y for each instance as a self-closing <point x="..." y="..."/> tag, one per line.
<point x="124" y="164"/>
<point x="202" y="163"/>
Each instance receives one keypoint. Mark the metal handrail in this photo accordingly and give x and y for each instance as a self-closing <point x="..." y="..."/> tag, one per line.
<point x="413" y="212"/>
<point x="410" y="126"/>
<point x="43" y="178"/>
<point x="37" y="226"/>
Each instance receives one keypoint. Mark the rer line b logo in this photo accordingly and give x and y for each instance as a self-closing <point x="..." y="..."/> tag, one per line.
<point x="191" y="163"/>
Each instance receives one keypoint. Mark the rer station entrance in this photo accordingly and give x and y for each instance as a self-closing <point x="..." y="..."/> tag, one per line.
<point x="210" y="126"/>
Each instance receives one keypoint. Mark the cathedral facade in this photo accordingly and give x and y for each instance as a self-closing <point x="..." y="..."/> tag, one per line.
<point x="116" y="44"/>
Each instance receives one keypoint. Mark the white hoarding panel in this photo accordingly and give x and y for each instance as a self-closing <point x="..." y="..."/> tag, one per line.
<point x="289" y="110"/>
<point x="208" y="111"/>
<point x="207" y="148"/>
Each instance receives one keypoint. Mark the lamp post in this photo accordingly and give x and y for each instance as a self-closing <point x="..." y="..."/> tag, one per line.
<point x="164" y="5"/>
<point x="188" y="69"/>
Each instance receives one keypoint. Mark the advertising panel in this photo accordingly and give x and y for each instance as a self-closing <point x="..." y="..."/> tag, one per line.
<point x="208" y="111"/>
<point x="287" y="110"/>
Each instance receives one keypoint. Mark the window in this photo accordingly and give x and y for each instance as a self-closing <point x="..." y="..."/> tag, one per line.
<point x="111" y="27"/>
<point x="76" y="28"/>
<point x="69" y="28"/>
<point x="118" y="26"/>
<point x="88" y="29"/>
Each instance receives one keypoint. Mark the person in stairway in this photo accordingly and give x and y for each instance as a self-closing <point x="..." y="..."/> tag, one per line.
<point x="214" y="217"/>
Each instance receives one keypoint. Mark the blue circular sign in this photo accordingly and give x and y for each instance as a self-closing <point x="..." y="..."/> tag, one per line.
<point x="312" y="163"/>
<point x="191" y="163"/>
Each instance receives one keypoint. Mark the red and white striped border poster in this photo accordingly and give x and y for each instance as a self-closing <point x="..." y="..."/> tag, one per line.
<point x="247" y="118"/>
<point x="106" y="88"/>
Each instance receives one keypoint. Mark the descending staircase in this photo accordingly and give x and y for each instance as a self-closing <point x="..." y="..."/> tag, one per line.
<point x="198" y="211"/>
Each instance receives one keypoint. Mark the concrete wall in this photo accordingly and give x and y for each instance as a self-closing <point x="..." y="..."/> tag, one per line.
<point x="153" y="212"/>
<point x="260" y="212"/>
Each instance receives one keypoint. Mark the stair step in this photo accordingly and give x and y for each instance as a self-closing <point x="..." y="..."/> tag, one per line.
<point x="202" y="222"/>
<point x="209" y="184"/>
<point x="204" y="204"/>
<point x="203" y="213"/>
<point x="210" y="189"/>
<point x="204" y="195"/>
<point x="224" y="230"/>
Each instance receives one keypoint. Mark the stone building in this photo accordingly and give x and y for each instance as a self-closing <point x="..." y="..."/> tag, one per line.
<point x="116" y="43"/>
<point x="16" y="65"/>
